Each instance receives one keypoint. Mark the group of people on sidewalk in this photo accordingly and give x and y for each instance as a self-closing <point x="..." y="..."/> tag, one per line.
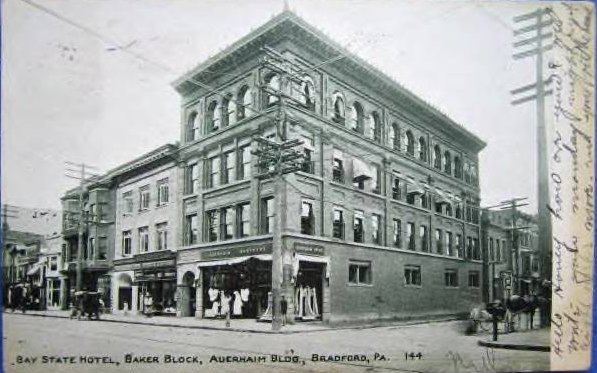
<point x="18" y="297"/>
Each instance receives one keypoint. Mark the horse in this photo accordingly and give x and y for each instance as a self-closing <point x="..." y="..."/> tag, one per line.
<point x="516" y="305"/>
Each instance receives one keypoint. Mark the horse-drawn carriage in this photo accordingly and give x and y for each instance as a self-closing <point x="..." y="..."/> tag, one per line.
<point x="86" y="303"/>
<point x="511" y="313"/>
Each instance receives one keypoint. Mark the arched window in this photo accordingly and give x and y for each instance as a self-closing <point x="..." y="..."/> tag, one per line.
<point x="374" y="126"/>
<point x="422" y="149"/>
<point x="447" y="162"/>
<point x="228" y="109"/>
<point x="193" y="125"/>
<point x="356" y="117"/>
<point x="273" y="85"/>
<point x="244" y="103"/>
<point x="338" y="114"/>
<point x="437" y="157"/>
<point x="394" y="136"/>
<point x="213" y="117"/>
<point x="457" y="167"/>
<point x="409" y="143"/>
<point x="308" y="93"/>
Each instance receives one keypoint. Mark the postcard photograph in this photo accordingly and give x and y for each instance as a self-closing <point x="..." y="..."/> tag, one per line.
<point x="284" y="185"/>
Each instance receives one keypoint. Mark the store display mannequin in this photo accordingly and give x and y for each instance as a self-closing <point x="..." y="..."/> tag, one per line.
<point x="237" y="309"/>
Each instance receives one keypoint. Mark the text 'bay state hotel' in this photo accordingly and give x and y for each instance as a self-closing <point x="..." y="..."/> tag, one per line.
<point x="382" y="222"/>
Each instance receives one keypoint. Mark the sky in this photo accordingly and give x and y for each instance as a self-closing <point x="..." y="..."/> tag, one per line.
<point x="69" y="95"/>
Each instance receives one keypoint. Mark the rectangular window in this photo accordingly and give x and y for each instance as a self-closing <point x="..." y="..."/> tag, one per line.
<point x="91" y="248"/>
<point x="338" y="167"/>
<point x="307" y="218"/>
<point x="162" y="236"/>
<point x="410" y="232"/>
<point x="127" y="243"/>
<point x="227" y="223"/>
<point x="214" y="172"/>
<point x="163" y="192"/>
<point x="144" y="196"/>
<point x="474" y="279"/>
<point x="451" y="278"/>
<point x="359" y="273"/>
<point x="412" y="275"/>
<point x="308" y="164"/>
<point x="191" y="231"/>
<point x="53" y="263"/>
<point x="449" y="244"/>
<point x="244" y="163"/>
<point x="425" y="200"/>
<point x="498" y="250"/>
<point x="127" y="199"/>
<point x="212" y="224"/>
<point x="439" y="241"/>
<point x="423" y="235"/>
<point x="338" y="224"/>
<point x="469" y="248"/>
<point x="244" y="219"/>
<point x="397" y="236"/>
<point x="102" y="211"/>
<point x="376" y="179"/>
<point x="476" y="250"/>
<point x="191" y="178"/>
<point x="102" y="248"/>
<point x="267" y="215"/>
<point x="491" y="249"/>
<point x="92" y="212"/>
<point x="229" y="167"/>
<point x="396" y="189"/>
<point x="376" y="229"/>
<point x="143" y="239"/>
<point x="358" y="231"/>
<point x="459" y="248"/>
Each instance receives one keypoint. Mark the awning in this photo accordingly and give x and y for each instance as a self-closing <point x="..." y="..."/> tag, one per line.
<point x="413" y="186"/>
<point x="361" y="170"/>
<point x="316" y="259"/>
<point x="232" y="261"/>
<point x="441" y="197"/>
<point x="34" y="270"/>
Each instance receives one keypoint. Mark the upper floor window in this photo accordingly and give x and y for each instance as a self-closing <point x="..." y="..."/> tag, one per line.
<point x="211" y="222"/>
<point x="374" y="126"/>
<point x="457" y="167"/>
<point x="144" y="195"/>
<point x="127" y="199"/>
<point x="191" y="178"/>
<point x="213" y="117"/>
<point x="412" y="275"/>
<point x="227" y="223"/>
<point x="474" y="179"/>
<point x="422" y="149"/>
<point x="409" y="143"/>
<point x="397" y="235"/>
<point x="244" y="103"/>
<point x="229" y="167"/>
<point x="338" y="224"/>
<point x="424" y="236"/>
<point x="396" y="189"/>
<point x="143" y="239"/>
<point x="307" y="218"/>
<point x="459" y="248"/>
<point x="228" y="111"/>
<point x="358" y="230"/>
<point x="273" y="87"/>
<point x="439" y="247"/>
<point x="437" y="157"/>
<point x="308" y="164"/>
<point x="163" y="192"/>
<point x="498" y="251"/>
<point x="267" y="215"/>
<point x="376" y="229"/>
<point x="127" y="243"/>
<point x="451" y="278"/>
<point x="356" y="117"/>
<point x="410" y="233"/>
<point x="243" y="213"/>
<point x="447" y="162"/>
<point x="338" y="167"/>
<point x="162" y="236"/>
<point x="191" y="231"/>
<point x="375" y="179"/>
<point x="213" y="172"/>
<point x="193" y="127"/>
<point x="449" y="244"/>
<point x="338" y="115"/>
<point x="467" y="173"/>
<point x="308" y="93"/>
<point x="244" y="162"/>
<point x="448" y="209"/>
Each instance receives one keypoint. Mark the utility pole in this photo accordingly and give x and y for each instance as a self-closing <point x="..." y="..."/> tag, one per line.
<point x="82" y="220"/>
<point x="540" y="42"/>
<point x="279" y="157"/>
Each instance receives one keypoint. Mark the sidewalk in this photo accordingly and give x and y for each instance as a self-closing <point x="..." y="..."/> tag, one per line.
<point x="528" y="340"/>
<point x="236" y="325"/>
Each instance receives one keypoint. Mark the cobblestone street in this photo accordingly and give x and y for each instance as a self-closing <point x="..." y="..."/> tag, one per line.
<point x="80" y="346"/>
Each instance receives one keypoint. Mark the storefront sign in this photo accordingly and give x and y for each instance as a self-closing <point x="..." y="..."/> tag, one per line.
<point x="234" y="252"/>
<point x="141" y="276"/>
<point x="300" y="248"/>
<point x="151" y="265"/>
<point x="155" y="255"/>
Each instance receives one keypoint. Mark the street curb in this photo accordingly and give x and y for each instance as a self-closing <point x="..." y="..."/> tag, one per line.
<point x="232" y="329"/>
<point x="513" y="346"/>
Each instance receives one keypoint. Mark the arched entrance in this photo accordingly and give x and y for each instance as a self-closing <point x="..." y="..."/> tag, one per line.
<point x="125" y="292"/>
<point x="188" y="295"/>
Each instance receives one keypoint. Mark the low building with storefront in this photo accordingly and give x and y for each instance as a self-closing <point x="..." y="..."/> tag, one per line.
<point x="382" y="220"/>
<point x="143" y="277"/>
<point x="50" y="263"/>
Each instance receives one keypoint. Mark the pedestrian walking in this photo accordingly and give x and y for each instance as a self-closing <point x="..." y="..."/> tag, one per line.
<point x="283" y="309"/>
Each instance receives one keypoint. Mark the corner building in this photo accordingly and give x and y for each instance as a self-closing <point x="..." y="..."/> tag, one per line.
<point x="382" y="221"/>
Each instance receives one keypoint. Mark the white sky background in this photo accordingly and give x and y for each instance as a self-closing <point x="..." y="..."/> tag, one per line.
<point x="104" y="107"/>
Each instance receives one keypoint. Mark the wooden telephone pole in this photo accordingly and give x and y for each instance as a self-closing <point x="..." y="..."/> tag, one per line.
<point x="278" y="158"/>
<point x="535" y="36"/>
<point x="8" y="212"/>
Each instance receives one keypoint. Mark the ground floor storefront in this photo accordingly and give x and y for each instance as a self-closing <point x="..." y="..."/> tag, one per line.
<point x="93" y="279"/>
